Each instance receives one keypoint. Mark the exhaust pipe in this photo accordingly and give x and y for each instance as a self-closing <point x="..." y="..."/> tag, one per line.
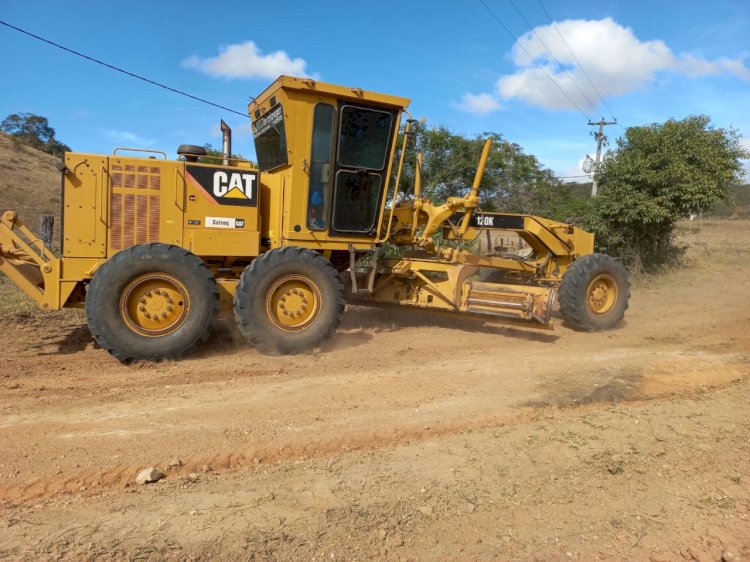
<point x="226" y="143"/>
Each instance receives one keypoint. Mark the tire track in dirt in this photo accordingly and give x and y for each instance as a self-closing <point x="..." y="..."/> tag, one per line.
<point x="95" y="482"/>
<point x="121" y="476"/>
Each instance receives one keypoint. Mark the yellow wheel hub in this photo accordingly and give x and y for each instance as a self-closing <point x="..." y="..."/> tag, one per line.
<point x="293" y="302"/>
<point x="601" y="294"/>
<point x="154" y="304"/>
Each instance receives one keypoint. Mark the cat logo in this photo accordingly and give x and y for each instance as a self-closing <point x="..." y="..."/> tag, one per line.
<point x="237" y="185"/>
<point x="225" y="186"/>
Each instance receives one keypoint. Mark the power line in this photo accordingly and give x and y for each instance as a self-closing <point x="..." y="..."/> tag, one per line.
<point x="131" y="74"/>
<point x="533" y="30"/>
<point x="498" y="20"/>
<point x="575" y="58"/>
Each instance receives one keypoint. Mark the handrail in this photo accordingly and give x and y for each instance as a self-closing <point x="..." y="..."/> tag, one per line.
<point x="407" y="130"/>
<point x="114" y="152"/>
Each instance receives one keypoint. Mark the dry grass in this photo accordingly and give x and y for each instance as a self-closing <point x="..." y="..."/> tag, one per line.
<point x="714" y="248"/>
<point x="712" y="241"/>
<point x="29" y="184"/>
<point x="14" y="303"/>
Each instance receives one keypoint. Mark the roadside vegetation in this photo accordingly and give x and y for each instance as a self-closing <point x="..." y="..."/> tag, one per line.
<point x="658" y="175"/>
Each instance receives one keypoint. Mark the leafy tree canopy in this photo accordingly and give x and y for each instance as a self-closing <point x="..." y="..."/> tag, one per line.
<point x="513" y="181"/>
<point x="658" y="174"/>
<point x="33" y="130"/>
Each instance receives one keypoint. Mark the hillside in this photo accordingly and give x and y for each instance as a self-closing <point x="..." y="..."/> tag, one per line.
<point x="29" y="183"/>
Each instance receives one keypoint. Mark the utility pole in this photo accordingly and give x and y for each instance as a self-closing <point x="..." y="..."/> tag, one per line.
<point x="601" y="138"/>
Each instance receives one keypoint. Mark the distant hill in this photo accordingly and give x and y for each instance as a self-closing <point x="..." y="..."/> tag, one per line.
<point x="29" y="184"/>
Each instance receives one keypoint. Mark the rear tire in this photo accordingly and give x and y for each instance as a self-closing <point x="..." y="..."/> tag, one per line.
<point x="151" y="301"/>
<point x="594" y="293"/>
<point x="289" y="301"/>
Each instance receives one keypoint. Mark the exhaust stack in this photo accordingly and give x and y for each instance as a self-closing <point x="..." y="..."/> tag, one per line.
<point x="226" y="143"/>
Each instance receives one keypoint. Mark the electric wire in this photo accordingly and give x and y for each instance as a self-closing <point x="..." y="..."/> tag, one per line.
<point x="509" y="32"/>
<point x="578" y="62"/>
<point x="112" y="67"/>
<point x="533" y="30"/>
<point x="583" y="70"/>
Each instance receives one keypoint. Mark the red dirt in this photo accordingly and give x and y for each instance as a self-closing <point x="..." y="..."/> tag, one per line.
<point x="405" y="437"/>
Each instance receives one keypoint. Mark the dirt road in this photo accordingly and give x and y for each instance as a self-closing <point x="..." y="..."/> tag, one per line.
<point x="405" y="437"/>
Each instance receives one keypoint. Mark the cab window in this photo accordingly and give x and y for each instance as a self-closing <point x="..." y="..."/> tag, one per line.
<point x="363" y="137"/>
<point x="320" y="166"/>
<point x="270" y="139"/>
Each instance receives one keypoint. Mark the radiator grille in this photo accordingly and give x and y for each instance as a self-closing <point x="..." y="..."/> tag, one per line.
<point x="135" y="205"/>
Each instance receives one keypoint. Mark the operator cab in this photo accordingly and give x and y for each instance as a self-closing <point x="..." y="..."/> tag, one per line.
<point x="335" y="144"/>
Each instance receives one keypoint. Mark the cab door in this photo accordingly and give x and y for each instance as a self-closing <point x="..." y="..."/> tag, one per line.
<point x="364" y="139"/>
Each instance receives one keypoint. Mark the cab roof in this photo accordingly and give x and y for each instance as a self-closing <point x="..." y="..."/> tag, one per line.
<point x="341" y="92"/>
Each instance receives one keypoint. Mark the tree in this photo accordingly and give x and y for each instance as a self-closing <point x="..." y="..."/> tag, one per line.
<point x="658" y="174"/>
<point x="34" y="131"/>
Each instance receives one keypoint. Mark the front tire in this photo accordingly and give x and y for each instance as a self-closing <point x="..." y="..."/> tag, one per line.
<point x="151" y="301"/>
<point x="289" y="301"/>
<point x="594" y="293"/>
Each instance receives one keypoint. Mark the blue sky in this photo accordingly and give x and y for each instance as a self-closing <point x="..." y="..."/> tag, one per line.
<point x="649" y="61"/>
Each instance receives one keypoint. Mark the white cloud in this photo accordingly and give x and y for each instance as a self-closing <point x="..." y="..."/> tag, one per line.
<point x="696" y="66"/>
<point x="127" y="138"/>
<point x="479" y="103"/>
<point x="613" y="57"/>
<point x="245" y="60"/>
<point x="735" y="66"/>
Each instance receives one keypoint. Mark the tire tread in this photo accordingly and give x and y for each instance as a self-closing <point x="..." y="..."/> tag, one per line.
<point x="265" y="341"/>
<point x="122" y="259"/>
<point x="572" y="296"/>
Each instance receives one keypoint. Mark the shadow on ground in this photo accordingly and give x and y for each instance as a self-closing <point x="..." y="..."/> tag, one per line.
<point x="71" y="339"/>
<point x="393" y="320"/>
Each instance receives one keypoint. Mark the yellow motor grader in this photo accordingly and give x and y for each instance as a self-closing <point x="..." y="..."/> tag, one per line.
<point x="155" y="249"/>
